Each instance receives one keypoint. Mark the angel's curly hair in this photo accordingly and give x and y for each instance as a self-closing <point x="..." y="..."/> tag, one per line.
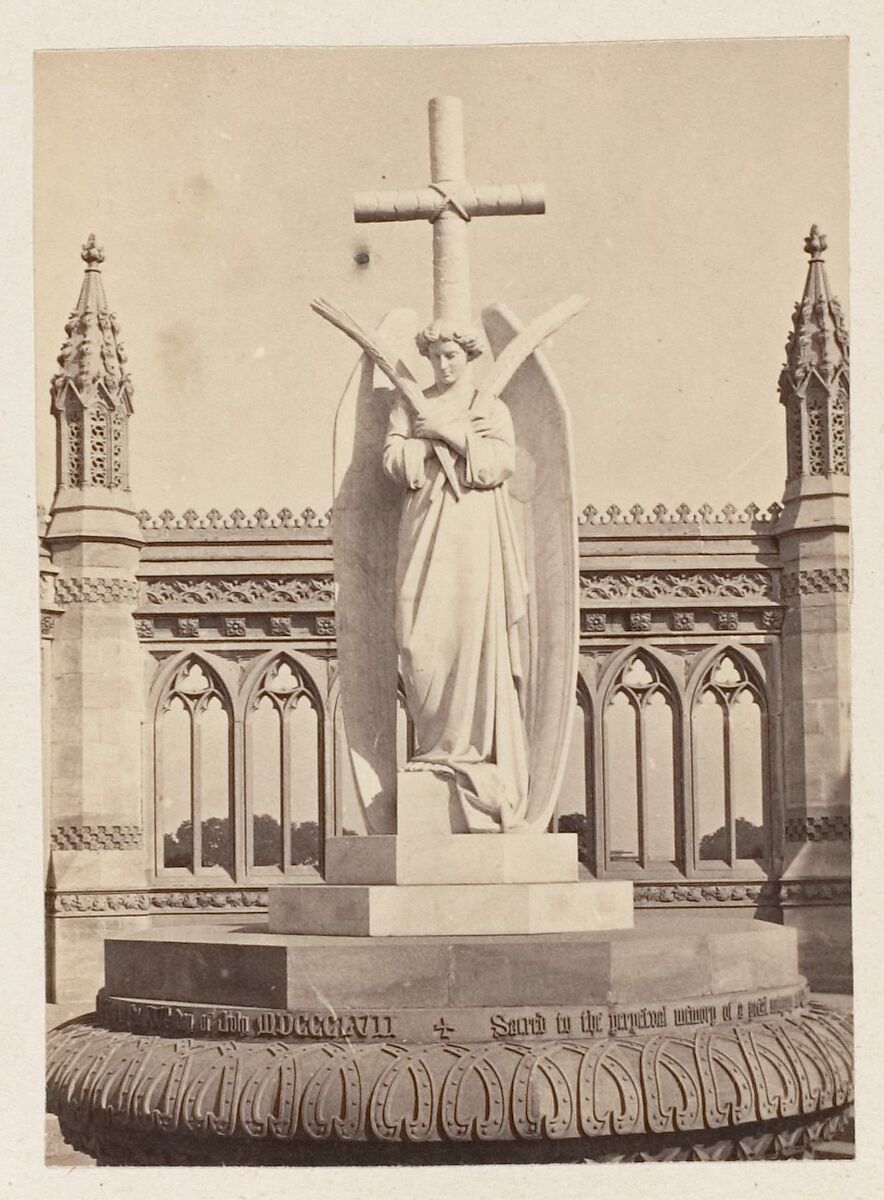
<point x="445" y="331"/>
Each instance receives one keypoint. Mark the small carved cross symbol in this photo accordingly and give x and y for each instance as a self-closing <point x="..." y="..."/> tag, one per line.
<point x="443" y="1029"/>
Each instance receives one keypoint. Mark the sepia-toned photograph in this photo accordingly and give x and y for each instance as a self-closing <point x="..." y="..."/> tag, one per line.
<point x="445" y="621"/>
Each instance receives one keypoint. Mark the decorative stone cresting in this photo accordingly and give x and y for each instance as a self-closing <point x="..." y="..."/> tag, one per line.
<point x="816" y="582"/>
<point x="724" y="1077"/>
<point x="95" y="589"/>
<point x="683" y="514"/>
<point x="214" y="519"/>
<point x="826" y="827"/>
<point x="96" y="837"/>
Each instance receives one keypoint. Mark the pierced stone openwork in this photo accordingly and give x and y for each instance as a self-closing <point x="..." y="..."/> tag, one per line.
<point x="730" y="759"/>
<point x="99" y="445"/>
<point x="284" y="771"/>
<point x="640" y="766"/>
<point x="816" y="442"/>
<point x="73" y="460"/>
<point x="117" y="463"/>
<point x="840" y="435"/>
<point x="794" y="440"/>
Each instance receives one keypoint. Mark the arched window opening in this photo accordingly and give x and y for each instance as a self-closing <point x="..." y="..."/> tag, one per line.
<point x="730" y="765"/>
<point x="193" y="772"/>
<point x="284" y="772"/>
<point x="574" y="805"/>
<point x="640" y="767"/>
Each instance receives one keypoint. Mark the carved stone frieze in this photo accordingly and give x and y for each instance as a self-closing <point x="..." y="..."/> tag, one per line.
<point x="187" y="627"/>
<point x="815" y="891"/>
<point x="638" y="622"/>
<point x="816" y="582"/>
<point x="289" y="589"/>
<point x="648" y="1085"/>
<point x="702" y="894"/>
<point x="233" y="627"/>
<point x="594" y="622"/>
<point x="727" y="620"/>
<point x="772" y="620"/>
<point x="782" y="1142"/>
<point x="96" y="837"/>
<point x="95" y="589"/>
<point x="676" y="585"/>
<point x="834" y="827"/>
<point x="280" y="626"/>
<point x="158" y="900"/>
<point x="325" y="627"/>
<point x="691" y="893"/>
<point x="144" y="627"/>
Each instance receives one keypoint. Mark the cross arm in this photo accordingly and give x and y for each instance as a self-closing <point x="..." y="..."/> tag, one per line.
<point x="488" y="200"/>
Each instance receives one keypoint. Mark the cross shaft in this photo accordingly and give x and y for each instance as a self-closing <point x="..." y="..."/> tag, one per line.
<point x="449" y="203"/>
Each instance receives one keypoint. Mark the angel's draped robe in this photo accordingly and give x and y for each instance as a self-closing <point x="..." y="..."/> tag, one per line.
<point x="461" y="614"/>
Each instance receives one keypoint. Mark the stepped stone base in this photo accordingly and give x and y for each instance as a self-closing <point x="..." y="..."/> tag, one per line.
<point x="452" y="858"/>
<point x="434" y="910"/>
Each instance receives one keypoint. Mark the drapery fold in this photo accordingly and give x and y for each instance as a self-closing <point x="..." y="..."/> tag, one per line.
<point x="462" y="598"/>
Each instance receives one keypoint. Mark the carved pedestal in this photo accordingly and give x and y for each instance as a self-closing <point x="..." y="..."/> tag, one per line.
<point x="236" y="1047"/>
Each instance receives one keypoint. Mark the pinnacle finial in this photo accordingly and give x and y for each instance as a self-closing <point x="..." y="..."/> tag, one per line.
<point x="91" y="253"/>
<point x="815" y="244"/>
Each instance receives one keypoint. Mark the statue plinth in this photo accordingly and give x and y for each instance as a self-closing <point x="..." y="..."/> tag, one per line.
<point x="430" y="880"/>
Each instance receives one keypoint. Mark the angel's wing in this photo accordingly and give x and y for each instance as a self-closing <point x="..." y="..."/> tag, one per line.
<point x="365" y="527"/>
<point x="542" y="495"/>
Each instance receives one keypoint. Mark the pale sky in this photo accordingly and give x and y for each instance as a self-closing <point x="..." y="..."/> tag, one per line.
<point x="681" y="180"/>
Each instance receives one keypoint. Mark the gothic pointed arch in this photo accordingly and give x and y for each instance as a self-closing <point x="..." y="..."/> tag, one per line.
<point x="642" y="775"/>
<point x="193" y="768"/>
<point x="730" y="756"/>
<point x="283" y="718"/>
<point x="750" y="662"/>
<point x="657" y="661"/>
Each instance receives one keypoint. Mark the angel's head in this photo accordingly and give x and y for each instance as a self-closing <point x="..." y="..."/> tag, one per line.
<point x="449" y="348"/>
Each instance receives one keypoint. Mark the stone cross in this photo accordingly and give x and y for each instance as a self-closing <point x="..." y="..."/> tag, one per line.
<point x="449" y="203"/>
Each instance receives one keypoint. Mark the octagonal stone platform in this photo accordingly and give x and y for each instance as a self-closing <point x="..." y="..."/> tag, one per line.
<point x="244" y="967"/>
<point x="234" y="1045"/>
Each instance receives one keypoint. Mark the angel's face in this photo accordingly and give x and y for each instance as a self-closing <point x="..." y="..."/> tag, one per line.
<point x="449" y="361"/>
